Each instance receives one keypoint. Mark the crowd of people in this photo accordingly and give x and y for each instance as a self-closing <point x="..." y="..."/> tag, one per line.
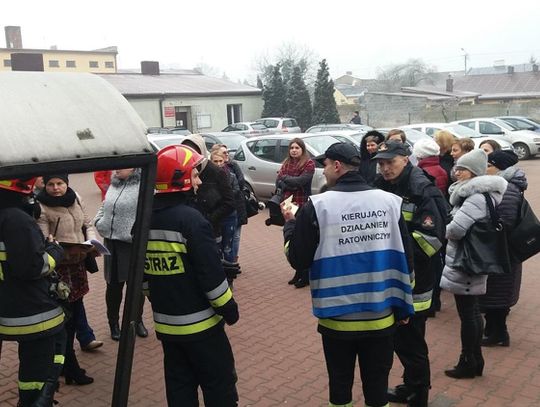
<point x="375" y="263"/>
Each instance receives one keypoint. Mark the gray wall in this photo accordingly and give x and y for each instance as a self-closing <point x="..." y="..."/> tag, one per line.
<point x="390" y="111"/>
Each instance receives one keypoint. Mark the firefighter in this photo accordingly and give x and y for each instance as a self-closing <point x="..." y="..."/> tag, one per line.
<point x="29" y="310"/>
<point x="425" y="210"/>
<point x="187" y="288"/>
<point x="354" y="239"/>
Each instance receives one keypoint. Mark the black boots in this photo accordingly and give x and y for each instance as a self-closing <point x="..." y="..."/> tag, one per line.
<point x="496" y="332"/>
<point x="497" y="339"/>
<point x="467" y="367"/>
<point x="295" y="278"/>
<point x="141" y="330"/>
<point x="115" y="331"/>
<point x="46" y="396"/>
<point x="300" y="278"/>
<point x="414" y="397"/>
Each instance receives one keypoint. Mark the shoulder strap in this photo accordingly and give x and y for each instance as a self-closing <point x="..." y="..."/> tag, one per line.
<point x="492" y="213"/>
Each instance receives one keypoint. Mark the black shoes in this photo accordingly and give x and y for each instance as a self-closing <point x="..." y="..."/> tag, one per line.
<point x="295" y="278"/>
<point x="115" y="331"/>
<point x="413" y="397"/>
<point x="141" y="330"/>
<point x="497" y="339"/>
<point x="399" y="394"/>
<point x="78" y="377"/>
<point x="301" y="282"/>
<point x="467" y="368"/>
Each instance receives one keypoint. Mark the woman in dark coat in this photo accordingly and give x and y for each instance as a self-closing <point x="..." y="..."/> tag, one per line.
<point x="503" y="291"/>
<point x="368" y="149"/>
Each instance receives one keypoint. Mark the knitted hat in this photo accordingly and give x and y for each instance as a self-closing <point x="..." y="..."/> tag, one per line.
<point x="426" y="148"/>
<point x="63" y="177"/>
<point x="475" y="161"/>
<point x="502" y="159"/>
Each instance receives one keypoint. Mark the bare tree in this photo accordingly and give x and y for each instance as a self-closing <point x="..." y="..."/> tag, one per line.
<point x="411" y="73"/>
<point x="208" y="70"/>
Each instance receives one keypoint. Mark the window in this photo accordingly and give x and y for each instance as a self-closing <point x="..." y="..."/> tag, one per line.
<point x="109" y="64"/>
<point x="54" y="63"/>
<point x="265" y="149"/>
<point x="70" y="64"/>
<point x="470" y="125"/>
<point x="489" y="128"/>
<point x="270" y="123"/>
<point x="7" y="62"/>
<point x="234" y="113"/>
<point x="93" y="64"/>
<point x="430" y="131"/>
<point x="239" y="155"/>
<point x="290" y="123"/>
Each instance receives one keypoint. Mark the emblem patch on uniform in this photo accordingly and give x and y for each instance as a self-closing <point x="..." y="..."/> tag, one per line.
<point x="428" y="222"/>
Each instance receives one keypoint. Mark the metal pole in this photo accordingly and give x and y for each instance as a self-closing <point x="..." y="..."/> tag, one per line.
<point x="124" y="361"/>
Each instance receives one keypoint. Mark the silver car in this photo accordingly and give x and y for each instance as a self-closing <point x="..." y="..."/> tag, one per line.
<point x="247" y="128"/>
<point x="260" y="159"/>
<point x="336" y="127"/>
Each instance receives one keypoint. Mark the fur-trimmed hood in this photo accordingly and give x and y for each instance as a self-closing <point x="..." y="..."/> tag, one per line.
<point x="461" y="190"/>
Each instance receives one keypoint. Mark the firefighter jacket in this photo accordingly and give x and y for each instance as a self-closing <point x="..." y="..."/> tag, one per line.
<point x="354" y="239"/>
<point x="426" y="212"/>
<point x="27" y="310"/>
<point x="186" y="283"/>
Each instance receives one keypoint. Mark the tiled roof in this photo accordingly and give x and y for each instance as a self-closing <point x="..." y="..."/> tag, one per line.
<point x="518" y="82"/>
<point x="186" y="84"/>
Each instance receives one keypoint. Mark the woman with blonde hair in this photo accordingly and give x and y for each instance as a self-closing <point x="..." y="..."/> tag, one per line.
<point x="445" y="139"/>
<point x="294" y="178"/>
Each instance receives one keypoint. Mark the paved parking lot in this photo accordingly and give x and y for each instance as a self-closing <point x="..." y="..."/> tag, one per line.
<point x="278" y="351"/>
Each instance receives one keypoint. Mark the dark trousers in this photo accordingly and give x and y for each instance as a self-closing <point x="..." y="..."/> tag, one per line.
<point x="37" y="365"/>
<point x="496" y="321"/>
<point x="472" y="324"/>
<point x="71" y="364"/>
<point x="208" y="363"/>
<point x="412" y="350"/>
<point x="375" y="357"/>
<point x="113" y="298"/>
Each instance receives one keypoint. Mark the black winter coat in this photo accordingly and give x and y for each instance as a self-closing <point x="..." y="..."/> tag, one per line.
<point x="503" y="291"/>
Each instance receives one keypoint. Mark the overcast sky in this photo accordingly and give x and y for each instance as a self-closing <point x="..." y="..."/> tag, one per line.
<point x="233" y="35"/>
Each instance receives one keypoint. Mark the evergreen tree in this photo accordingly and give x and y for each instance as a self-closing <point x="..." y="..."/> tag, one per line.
<point x="298" y="102"/>
<point x="324" y="104"/>
<point x="259" y="82"/>
<point x="274" y="95"/>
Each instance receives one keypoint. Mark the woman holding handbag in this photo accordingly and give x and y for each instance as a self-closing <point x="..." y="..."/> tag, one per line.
<point x="469" y="206"/>
<point x="294" y="178"/>
<point x="503" y="291"/>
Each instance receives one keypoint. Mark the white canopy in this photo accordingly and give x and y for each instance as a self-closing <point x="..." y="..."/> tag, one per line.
<point x="47" y="117"/>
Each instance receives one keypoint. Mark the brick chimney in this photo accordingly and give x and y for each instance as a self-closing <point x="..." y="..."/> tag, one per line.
<point x="450" y="84"/>
<point x="348" y="73"/>
<point x="510" y="69"/>
<point x="150" y="67"/>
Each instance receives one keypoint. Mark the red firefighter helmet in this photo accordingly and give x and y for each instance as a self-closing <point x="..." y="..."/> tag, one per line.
<point x="23" y="186"/>
<point x="174" y="167"/>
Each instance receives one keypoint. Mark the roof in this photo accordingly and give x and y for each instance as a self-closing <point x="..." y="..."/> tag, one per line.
<point x="432" y="90"/>
<point x="500" y="69"/>
<point x="524" y="83"/>
<point x="47" y="117"/>
<point x="107" y="50"/>
<point x="182" y="84"/>
<point x="413" y="95"/>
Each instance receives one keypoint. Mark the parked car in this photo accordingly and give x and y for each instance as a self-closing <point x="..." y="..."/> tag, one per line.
<point x="168" y="130"/>
<point x="458" y="131"/>
<point x="352" y="137"/>
<point x="260" y="159"/>
<point x="526" y="143"/>
<point x="160" y="140"/>
<point x="412" y="135"/>
<point x="231" y="140"/>
<point x="522" y="122"/>
<point x="280" y="124"/>
<point x="247" y="128"/>
<point x="335" y="127"/>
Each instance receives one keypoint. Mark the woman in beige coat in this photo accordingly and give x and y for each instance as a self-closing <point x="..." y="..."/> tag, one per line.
<point x="63" y="217"/>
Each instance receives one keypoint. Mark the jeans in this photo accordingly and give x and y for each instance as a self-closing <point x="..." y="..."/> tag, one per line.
<point x="84" y="332"/>
<point x="228" y="228"/>
<point x="472" y="324"/>
<point x="236" y="242"/>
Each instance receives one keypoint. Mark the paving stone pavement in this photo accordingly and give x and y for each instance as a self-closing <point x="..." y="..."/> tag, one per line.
<point x="278" y="352"/>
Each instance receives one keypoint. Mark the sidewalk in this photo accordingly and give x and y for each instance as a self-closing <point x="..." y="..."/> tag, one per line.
<point x="278" y="352"/>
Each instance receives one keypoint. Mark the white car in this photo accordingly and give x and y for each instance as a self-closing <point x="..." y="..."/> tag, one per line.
<point x="458" y="131"/>
<point x="260" y="159"/>
<point x="526" y="143"/>
<point x="279" y="125"/>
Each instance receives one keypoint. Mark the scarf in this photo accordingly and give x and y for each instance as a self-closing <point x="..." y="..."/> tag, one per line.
<point x="65" y="200"/>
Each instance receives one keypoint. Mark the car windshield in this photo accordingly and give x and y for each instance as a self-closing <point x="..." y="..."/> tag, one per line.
<point x="232" y="141"/>
<point x="164" y="142"/>
<point x="415" y="135"/>
<point x="463" y="131"/>
<point x="320" y="143"/>
<point x="504" y="125"/>
<point x="258" y="126"/>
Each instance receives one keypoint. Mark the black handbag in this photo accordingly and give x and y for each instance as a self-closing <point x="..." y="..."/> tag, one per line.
<point x="484" y="249"/>
<point x="525" y="237"/>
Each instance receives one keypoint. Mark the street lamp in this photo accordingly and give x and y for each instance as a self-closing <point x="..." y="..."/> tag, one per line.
<point x="465" y="56"/>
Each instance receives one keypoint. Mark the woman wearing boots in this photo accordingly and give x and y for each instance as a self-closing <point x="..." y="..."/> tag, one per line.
<point x="294" y="178"/>
<point x="64" y="217"/>
<point x="469" y="206"/>
<point x="114" y="221"/>
<point x="503" y="291"/>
